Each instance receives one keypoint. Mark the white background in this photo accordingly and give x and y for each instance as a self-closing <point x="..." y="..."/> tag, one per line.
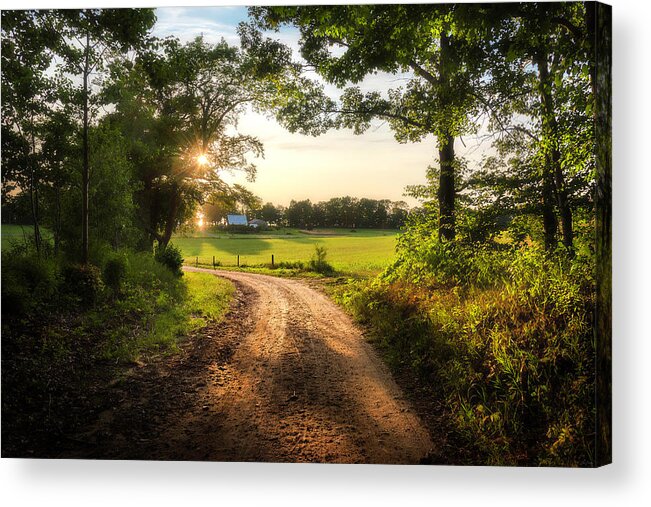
<point x="626" y="482"/>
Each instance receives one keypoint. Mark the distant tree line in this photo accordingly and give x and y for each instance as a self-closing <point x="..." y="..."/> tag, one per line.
<point x="347" y="212"/>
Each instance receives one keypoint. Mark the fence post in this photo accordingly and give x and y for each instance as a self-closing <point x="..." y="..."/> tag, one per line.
<point x="272" y="260"/>
<point x="196" y="262"/>
<point x="213" y="262"/>
<point x="238" y="261"/>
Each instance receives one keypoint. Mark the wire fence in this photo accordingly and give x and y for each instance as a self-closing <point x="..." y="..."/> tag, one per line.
<point x="234" y="261"/>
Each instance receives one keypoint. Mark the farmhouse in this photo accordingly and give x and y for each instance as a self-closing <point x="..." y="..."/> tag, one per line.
<point x="257" y="223"/>
<point x="236" y="220"/>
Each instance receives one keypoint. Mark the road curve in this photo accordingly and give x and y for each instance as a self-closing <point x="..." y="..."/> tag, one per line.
<point x="302" y="386"/>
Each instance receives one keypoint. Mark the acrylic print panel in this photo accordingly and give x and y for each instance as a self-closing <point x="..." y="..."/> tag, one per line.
<point x="333" y="234"/>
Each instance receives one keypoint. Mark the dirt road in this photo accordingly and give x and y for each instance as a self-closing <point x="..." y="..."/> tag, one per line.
<point x="287" y="378"/>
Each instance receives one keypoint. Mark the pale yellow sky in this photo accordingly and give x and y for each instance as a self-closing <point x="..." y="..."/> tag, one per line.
<point x="298" y="167"/>
<point x="338" y="163"/>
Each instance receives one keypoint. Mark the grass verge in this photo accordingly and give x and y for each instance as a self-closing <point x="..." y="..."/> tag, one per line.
<point x="503" y="344"/>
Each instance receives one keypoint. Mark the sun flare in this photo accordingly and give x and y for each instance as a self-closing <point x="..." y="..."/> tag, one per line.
<point x="202" y="159"/>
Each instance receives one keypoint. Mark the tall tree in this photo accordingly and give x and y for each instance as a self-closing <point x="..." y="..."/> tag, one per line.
<point x="538" y="88"/>
<point x="180" y="104"/>
<point x="271" y="213"/>
<point x="89" y="38"/>
<point x="60" y="155"/>
<point x="27" y="96"/>
<point x="439" y="47"/>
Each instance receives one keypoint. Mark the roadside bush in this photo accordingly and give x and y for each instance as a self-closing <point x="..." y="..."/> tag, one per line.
<point x="290" y="265"/>
<point x="143" y="270"/>
<point x="84" y="282"/>
<point x="318" y="263"/>
<point x="114" y="273"/>
<point x="511" y="359"/>
<point x="27" y="281"/>
<point x="424" y="259"/>
<point x="171" y="257"/>
<point x="15" y="297"/>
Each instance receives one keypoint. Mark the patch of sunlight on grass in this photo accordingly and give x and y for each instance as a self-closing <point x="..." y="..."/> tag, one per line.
<point x="365" y="253"/>
<point x="205" y="300"/>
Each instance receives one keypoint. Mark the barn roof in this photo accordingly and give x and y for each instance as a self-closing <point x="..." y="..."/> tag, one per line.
<point x="237" y="220"/>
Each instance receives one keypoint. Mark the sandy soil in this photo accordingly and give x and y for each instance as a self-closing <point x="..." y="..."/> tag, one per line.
<point x="286" y="378"/>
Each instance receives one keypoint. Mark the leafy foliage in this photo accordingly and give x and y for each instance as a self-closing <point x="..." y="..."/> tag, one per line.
<point x="114" y="273"/>
<point x="507" y="338"/>
<point x="171" y="257"/>
<point x="83" y="282"/>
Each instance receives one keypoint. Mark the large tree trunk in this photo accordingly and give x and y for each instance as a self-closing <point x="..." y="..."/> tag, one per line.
<point x="563" y="202"/>
<point x="550" y="222"/>
<point x="33" y="194"/>
<point x="33" y="197"/>
<point x="170" y="223"/>
<point x="553" y="170"/>
<point x="599" y="30"/>
<point x="446" y="193"/>
<point x="86" y="158"/>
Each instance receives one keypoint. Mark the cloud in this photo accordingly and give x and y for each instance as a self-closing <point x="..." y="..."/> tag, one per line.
<point x="186" y="24"/>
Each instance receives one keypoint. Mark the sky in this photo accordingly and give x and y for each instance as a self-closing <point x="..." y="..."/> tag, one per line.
<point x="296" y="166"/>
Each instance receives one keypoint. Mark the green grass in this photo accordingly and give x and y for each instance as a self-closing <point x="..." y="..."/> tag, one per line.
<point x="59" y="352"/>
<point x="12" y="234"/>
<point x="209" y="297"/>
<point x="365" y="252"/>
<point x="202" y="298"/>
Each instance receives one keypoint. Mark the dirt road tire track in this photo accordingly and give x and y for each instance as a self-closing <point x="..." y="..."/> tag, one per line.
<point x="287" y="377"/>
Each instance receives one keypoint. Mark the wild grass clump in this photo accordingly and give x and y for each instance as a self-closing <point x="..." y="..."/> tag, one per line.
<point x="318" y="262"/>
<point x="505" y="338"/>
<point x="29" y="283"/>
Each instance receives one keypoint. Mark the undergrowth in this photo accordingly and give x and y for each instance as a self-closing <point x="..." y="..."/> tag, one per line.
<point x="68" y="328"/>
<point x="504" y="336"/>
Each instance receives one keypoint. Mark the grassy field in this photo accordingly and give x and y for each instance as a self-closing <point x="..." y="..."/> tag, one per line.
<point x="18" y="233"/>
<point x="364" y="252"/>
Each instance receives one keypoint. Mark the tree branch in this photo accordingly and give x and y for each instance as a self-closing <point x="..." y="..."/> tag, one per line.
<point x="430" y="78"/>
<point x="382" y="114"/>
<point x="571" y="27"/>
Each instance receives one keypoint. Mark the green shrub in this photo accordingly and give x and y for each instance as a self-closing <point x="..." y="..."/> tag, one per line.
<point x="290" y="265"/>
<point x="143" y="270"/>
<point x="171" y="257"/>
<point x="114" y="273"/>
<point x="84" y="282"/>
<point x="318" y="263"/>
<point x="15" y="298"/>
<point x="27" y="281"/>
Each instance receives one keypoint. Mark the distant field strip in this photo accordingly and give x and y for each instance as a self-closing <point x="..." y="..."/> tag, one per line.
<point x="364" y="254"/>
<point x="12" y="234"/>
